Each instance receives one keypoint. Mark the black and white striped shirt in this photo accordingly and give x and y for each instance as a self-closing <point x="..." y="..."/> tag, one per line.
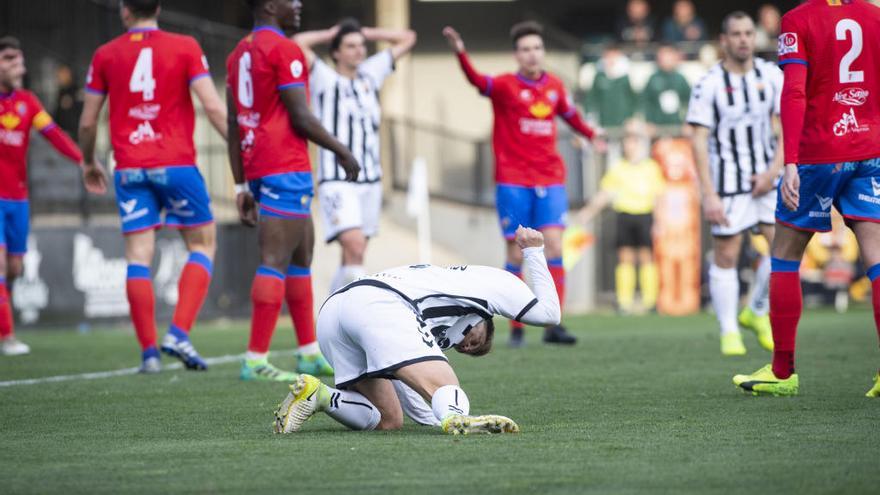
<point x="349" y="109"/>
<point x="738" y="111"/>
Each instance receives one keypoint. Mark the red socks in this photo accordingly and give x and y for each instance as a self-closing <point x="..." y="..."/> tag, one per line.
<point x="142" y="304"/>
<point x="516" y="270"/>
<point x="300" y="302"/>
<point x="6" y="325"/>
<point x="267" y="295"/>
<point x="192" y="289"/>
<point x="557" y="271"/>
<point x="786" y="305"/>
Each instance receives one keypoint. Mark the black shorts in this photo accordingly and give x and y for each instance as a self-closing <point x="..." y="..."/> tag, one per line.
<point x="634" y="230"/>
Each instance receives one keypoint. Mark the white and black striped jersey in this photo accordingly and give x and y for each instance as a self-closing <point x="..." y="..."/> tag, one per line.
<point x="738" y="111"/>
<point x="349" y="109"/>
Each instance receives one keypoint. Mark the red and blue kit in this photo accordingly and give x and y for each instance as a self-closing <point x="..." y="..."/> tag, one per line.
<point x="20" y="112"/>
<point x="146" y="74"/>
<point x="831" y="110"/>
<point x="275" y="157"/>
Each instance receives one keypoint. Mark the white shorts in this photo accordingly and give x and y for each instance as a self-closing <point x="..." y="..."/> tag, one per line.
<point x="350" y="205"/>
<point x="369" y="332"/>
<point x="744" y="212"/>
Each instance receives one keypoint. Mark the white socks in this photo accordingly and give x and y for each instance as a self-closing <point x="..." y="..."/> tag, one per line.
<point x="760" y="299"/>
<point x="724" y="289"/>
<point x="309" y="349"/>
<point x="345" y="275"/>
<point x="353" y="410"/>
<point x="414" y="405"/>
<point x="450" y="399"/>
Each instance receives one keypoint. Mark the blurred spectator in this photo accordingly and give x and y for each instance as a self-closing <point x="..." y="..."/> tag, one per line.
<point x="767" y="33"/>
<point x="664" y="99"/>
<point x="637" y="26"/>
<point x="69" y="101"/>
<point x="632" y="186"/>
<point x="612" y="98"/>
<point x="684" y="25"/>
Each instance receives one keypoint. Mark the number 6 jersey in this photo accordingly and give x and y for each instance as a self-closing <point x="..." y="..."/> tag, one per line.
<point x="839" y="43"/>
<point x="264" y="64"/>
<point x="146" y="73"/>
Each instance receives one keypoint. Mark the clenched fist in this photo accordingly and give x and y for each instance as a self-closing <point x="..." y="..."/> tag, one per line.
<point x="526" y="238"/>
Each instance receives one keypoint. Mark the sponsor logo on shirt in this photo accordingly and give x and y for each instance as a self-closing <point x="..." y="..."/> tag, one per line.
<point x="526" y="95"/>
<point x="249" y="119"/>
<point x="145" y="111"/>
<point x="788" y="43"/>
<point x="536" y="127"/>
<point x="853" y="97"/>
<point x="144" y="134"/>
<point x="540" y="110"/>
<point x="847" y="124"/>
<point x="8" y="134"/>
<point x="10" y="121"/>
<point x="825" y="204"/>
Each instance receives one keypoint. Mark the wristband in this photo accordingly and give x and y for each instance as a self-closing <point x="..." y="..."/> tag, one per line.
<point x="241" y="189"/>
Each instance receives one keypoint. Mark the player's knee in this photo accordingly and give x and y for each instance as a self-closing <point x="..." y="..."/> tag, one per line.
<point x="14" y="267"/>
<point x="391" y="420"/>
<point x="140" y="253"/>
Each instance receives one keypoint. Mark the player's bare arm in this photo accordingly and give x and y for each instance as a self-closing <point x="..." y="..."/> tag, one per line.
<point x="305" y="123"/>
<point x="454" y="39"/>
<point x="307" y="40"/>
<point x="713" y="208"/>
<point x="402" y="41"/>
<point x="205" y="91"/>
<point x="94" y="175"/>
<point x="244" y="200"/>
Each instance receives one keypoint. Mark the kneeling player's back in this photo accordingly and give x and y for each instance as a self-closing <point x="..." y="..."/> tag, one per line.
<point x="264" y="64"/>
<point x="147" y="74"/>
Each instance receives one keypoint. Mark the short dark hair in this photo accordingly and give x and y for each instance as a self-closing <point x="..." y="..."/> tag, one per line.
<point x="255" y="4"/>
<point x="346" y="26"/>
<point x="736" y="15"/>
<point x="142" y="8"/>
<point x="9" y="42"/>
<point x="523" y="29"/>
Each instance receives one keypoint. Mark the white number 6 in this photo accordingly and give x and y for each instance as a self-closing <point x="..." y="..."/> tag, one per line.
<point x="850" y="26"/>
<point x="245" y="81"/>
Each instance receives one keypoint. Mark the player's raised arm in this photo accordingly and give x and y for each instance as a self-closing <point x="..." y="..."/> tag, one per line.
<point x="307" y="40"/>
<point x="305" y="123"/>
<point x="481" y="81"/>
<point x="402" y="40"/>
<point x="205" y="91"/>
<point x="94" y="175"/>
<point x="545" y="309"/>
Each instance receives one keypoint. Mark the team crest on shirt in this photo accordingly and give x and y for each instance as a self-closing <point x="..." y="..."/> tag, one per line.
<point x="296" y="68"/>
<point x="788" y="43"/>
<point x="553" y="96"/>
<point x="526" y="95"/>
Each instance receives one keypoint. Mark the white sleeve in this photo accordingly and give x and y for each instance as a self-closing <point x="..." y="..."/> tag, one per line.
<point x="777" y="79"/>
<point x="321" y="76"/>
<point x="546" y="309"/>
<point x="700" y="108"/>
<point x="378" y="67"/>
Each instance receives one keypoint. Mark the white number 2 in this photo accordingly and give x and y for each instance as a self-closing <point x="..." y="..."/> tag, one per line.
<point x="855" y="30"/>
<point x="245" y="81"/>
<point x="142" y="78"/>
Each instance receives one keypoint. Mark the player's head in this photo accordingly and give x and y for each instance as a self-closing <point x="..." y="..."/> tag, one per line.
<point x="287" y="14"/>
<point x="668" y="57"/>
<point x="635" y="142"/>
<point x="134" y="11"/>
<point x="12" y="69"/>
<point x="478" y="341"/>
<point x="349" y="47"/>
<point x="528" y="46"/>
<point x="738" y="36"/>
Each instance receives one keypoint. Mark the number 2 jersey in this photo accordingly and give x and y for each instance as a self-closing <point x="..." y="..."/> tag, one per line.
<point x="146" y="74"/>
<point x="839" y="43"/>
<point x="264" y="64"/>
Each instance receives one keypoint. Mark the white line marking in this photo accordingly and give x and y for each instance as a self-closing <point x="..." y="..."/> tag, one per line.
<point x="230" y="358"/>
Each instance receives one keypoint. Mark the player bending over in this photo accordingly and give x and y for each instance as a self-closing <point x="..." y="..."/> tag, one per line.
<point x="20" y="111"/>
<point x="385" y="336"/>
<point x="830" y="52"/>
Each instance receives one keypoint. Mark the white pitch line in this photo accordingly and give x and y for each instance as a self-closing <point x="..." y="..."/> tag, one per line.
<point x="230" y="358"/>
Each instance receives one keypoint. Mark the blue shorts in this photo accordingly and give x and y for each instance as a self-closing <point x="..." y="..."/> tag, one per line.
<point x="143" y="194"/>
<point x="15" y="217"/>
<point x="535" y="207"/>
<point x="851" y="187"/>
<point x="286" y="195"/>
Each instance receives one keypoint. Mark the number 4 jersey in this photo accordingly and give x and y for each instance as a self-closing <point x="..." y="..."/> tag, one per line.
<point x="839" y="42"/>
<point x="147" y="75"/>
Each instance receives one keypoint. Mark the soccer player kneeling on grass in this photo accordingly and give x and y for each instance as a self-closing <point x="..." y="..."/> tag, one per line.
<point x="385" y="335"/>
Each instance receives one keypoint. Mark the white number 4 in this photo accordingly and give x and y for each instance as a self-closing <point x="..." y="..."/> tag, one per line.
<point x="142" y="78"/>
<point x="853" y="28"/>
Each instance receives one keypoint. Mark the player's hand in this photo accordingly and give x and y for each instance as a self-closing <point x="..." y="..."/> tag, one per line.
<point x="600" y="141"/>
<point x="713" y="209"/>
<point x="95" y="177"/>
<point x="247" y="209"/>
<point x="454" y="39"/>
<point x="791" y="186"/>
<point x="526" y="238"/>
<point x="350" y="165"/>
<point x="762" y="183"/>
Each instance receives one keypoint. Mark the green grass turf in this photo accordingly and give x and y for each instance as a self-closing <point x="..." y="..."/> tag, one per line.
<point x="640" y="405"/>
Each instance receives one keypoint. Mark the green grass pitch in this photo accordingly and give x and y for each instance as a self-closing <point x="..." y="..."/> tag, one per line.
<point x="640" y="405"/>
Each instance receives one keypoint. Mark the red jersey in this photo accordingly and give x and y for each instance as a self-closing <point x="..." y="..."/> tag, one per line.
<point x="21" y="111"/>
<point x="830" y="50"/>
<point x="262" y="65"/>
<point x="146" y="74"/>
